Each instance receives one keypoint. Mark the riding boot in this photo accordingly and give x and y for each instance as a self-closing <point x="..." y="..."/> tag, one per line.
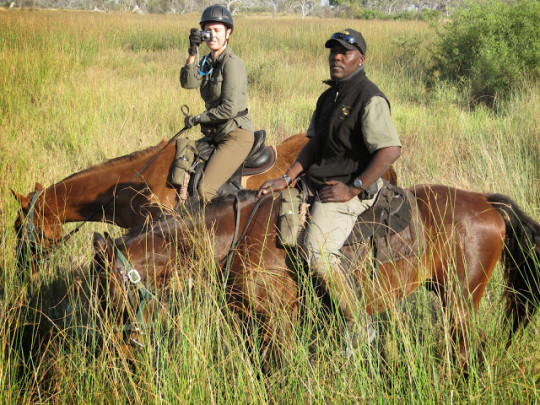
<point x="186" y="150"/>
<point x="346" y="296"/>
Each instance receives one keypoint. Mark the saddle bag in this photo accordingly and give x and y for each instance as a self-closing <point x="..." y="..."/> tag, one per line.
<point x="289" y="221"/>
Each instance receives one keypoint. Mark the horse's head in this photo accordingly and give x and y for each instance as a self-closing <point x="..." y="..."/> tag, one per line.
<point x="128" y="272"/>
<point x="36" y="232"/>
<point x="106" y="275"/>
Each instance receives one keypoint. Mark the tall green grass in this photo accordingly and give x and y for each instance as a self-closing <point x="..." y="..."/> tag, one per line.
<point x="78" y="88"/>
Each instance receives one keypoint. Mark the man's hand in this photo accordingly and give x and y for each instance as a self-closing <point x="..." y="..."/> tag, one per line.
<point x="195" y="39"/>
<point x="271" y="186"/>
<point x="336" y="191"/>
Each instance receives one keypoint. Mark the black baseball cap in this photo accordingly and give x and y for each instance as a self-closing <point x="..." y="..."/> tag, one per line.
<point x="349" y="39"/>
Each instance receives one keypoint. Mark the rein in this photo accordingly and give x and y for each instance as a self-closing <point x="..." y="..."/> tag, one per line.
<point x="137" y="174"/>
<point x="236" y="240"/>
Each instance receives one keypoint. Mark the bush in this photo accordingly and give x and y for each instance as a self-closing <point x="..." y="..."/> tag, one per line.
<point x="357" y="12"/>
<point x="429" y="15"/>
<point x="490" y="48"/>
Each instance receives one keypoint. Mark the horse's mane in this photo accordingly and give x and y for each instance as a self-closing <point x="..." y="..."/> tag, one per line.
<point x="188" y="214"/>
<point x="193" y="206"/>
<point x="109" y="164"/>
<point x="226" y="199"/>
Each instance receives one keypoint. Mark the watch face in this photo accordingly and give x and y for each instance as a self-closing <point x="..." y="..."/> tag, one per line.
<point x="357" y="183"/>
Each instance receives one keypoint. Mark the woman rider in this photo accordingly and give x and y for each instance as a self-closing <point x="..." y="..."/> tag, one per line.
<point x="222" y="80"/>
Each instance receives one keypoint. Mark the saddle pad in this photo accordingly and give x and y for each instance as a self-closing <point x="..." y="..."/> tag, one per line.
<point x="407" y="243"/>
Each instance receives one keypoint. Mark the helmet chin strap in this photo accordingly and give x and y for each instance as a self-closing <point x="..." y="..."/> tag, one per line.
<point x="220" y="50"/>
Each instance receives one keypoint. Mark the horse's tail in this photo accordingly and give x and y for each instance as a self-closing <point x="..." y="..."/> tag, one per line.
<point x="521" y="257"/>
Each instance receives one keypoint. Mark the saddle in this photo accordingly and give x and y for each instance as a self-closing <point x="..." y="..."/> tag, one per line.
<point x="260" y="159"/>
<point x="390" y="227"/>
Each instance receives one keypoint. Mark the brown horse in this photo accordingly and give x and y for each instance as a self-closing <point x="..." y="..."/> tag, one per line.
<point x="126" y="191"/>
<point x="465" y="234"/>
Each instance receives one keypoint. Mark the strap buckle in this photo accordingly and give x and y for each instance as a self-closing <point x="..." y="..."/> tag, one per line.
<point x="134" y="276"/>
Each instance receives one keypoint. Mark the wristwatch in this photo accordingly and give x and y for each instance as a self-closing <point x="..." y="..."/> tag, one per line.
<point x="357" y="183"/>
<point x="287" y="179"/>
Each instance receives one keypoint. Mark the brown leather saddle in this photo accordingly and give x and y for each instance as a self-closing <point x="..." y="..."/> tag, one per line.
<point x="260" y="159"/>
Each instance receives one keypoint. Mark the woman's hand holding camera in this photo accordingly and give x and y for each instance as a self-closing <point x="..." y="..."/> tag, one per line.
<point x="195" y="39"/>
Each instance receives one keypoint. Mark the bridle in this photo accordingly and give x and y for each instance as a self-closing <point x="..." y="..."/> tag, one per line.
<point x="30" y="234"/>
<point x="132" y="281"/>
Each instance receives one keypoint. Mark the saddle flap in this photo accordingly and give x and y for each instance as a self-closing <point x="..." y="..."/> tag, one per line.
<point x="408" y="243"/>
<point x="390" y="214"/>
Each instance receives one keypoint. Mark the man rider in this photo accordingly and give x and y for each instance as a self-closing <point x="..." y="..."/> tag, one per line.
<point x="353" y="142"/>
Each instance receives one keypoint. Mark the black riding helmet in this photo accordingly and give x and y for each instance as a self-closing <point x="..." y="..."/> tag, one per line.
<point x="218" y="14"/>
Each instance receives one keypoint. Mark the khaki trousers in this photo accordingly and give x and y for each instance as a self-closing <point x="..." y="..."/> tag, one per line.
<point x="228" y="156"/>
<point x="330" y="226"/>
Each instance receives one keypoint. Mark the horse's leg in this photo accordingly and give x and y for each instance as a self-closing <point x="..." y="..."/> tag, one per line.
<point x="267" y="297"/>
<point x="475" y="249"/>
<point x="276" y="303"/>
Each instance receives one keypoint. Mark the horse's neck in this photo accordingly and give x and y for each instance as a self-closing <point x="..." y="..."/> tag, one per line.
<point x="84" y="195"/>
<point x="226" y="230"/>
<point x="216" y="226"/>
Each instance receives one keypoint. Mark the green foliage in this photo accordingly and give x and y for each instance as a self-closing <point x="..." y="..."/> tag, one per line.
<point x="356" y="11"/>
<point x="490" y="48"/>
<point x="430" y="15"/>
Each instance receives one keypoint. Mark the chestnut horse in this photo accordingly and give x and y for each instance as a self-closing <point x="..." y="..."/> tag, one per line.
<point x="126" y="191"/>
<point x="465" y="233"/>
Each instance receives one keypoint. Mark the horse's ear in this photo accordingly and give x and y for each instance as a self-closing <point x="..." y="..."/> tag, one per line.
<point x="38" y="186"/>
<point x="100" y="244"/>
<point x="109" y="238"/>
<point x="24" y="201"/>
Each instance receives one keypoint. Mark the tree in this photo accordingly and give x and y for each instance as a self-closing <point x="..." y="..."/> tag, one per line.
<point x="491" y="48"/>
<point x="305" y="6"/>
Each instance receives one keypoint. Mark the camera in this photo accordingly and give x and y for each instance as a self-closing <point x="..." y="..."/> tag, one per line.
<point x="205" y="35"/>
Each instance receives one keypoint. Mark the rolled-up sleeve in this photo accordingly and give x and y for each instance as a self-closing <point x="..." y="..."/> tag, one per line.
<point x="377" y="125"/>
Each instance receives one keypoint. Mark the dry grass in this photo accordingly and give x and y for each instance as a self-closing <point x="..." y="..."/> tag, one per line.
<point x="77" y="88"/>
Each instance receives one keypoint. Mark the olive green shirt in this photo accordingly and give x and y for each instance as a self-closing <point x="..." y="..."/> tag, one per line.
<point x="224" y="91"/>
<point x="377" y="125"/>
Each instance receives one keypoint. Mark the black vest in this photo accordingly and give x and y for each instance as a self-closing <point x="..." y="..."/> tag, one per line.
<point x="342" y="153"/>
